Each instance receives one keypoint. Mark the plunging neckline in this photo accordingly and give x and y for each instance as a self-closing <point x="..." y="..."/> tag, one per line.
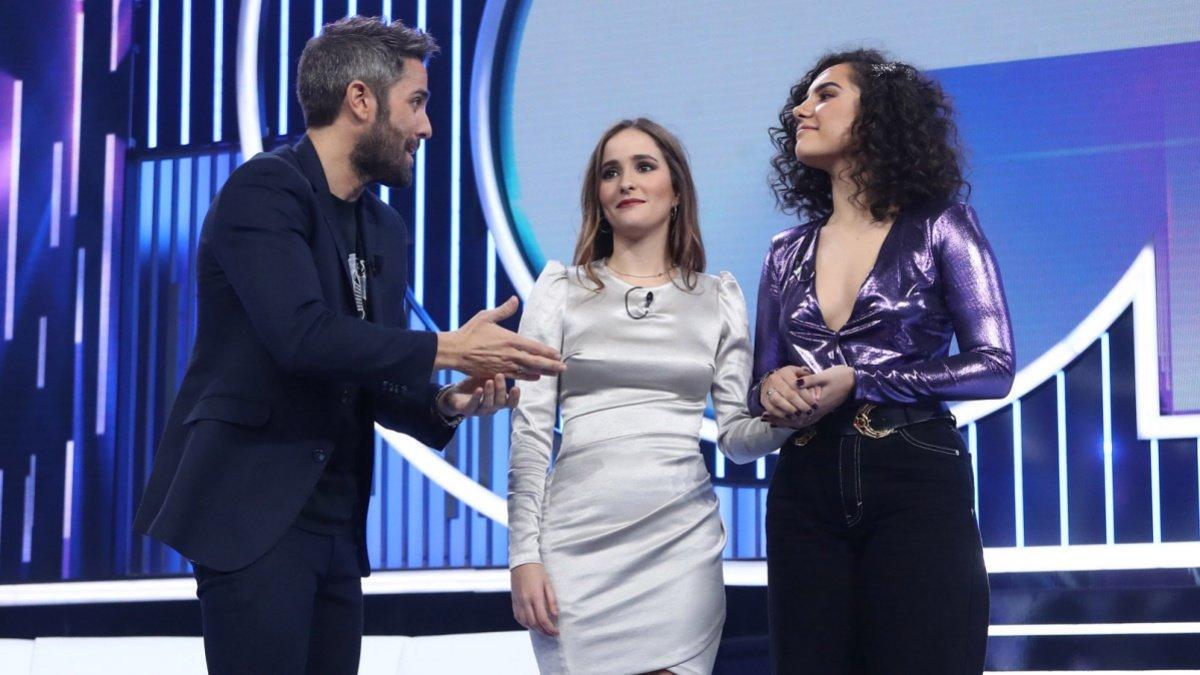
<point x="858" y="294"/>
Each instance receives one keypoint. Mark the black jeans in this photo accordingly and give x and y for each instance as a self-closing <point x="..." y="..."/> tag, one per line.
<point x="298" y="609"/>
<point x="874" y="561"/>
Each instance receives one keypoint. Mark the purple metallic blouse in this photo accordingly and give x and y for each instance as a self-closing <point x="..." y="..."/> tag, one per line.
<point x="935" y="277"/>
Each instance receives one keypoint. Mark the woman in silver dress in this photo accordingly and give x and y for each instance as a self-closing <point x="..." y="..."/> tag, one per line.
<point x="616" y="554"/>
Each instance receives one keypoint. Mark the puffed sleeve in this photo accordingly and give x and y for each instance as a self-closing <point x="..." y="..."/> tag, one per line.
<point x="974" y="297"/>
<point x="741" y="437"/>
<point x="533" y="420"/>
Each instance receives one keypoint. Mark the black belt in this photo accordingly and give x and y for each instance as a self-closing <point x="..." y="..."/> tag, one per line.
<point x="870" y="420"/>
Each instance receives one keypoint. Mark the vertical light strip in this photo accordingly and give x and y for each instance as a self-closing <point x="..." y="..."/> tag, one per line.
<point x="27" y="525"/>
<point x="318" y="16"/>
<point x="79" y="270"/>
<point x="114" y="37"/>
<point x="14" y="194"/>
<point x="77" y="111"/>
<point x="760" y="468"/>
<point x="718" y="463"/>
<point x="386" y="11"/>
<point x="1106" y="405"/>
<point x="385" y="194"/>
<point x="185" y="77"/>
<point x="455" y="161"/>
<point x="152" y="97"/>
<point x="973" y="448"/>
<point x="284" y="11"/>
<point x="352" y="7"/>
<point x="1064" y="516"/>
<point x="419" y="197"/>
<point x="490" y="297"/>
<point x="1155" y="493"/>
<point x="110" y="149"/>
<point x="1018" y="472"/>
<point x="56" y="168"/>
<point x="419" y="228"/>
<point x="68" y="506"/>
<point x="218" y="66"/>
<point x="41" y="362"/>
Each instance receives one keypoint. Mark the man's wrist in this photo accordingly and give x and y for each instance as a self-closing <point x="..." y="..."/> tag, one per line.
<point x="448" y="417"/>
<point x="449" y="351"/>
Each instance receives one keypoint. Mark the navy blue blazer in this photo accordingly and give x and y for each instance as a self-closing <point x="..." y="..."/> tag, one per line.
<point x="278" y="348"/>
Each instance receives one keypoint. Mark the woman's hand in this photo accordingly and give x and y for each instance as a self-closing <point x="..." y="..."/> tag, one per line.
<point x="836" y="384"/>
<point x="478" y="396"/>
<point x="787" y="402"/>
<point x="534" y="605"/>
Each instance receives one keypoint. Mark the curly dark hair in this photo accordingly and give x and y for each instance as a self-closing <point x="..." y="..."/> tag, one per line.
<point x="905" y="151"/>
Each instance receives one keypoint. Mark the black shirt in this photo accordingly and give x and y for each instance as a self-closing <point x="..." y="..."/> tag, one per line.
<point x="335" y="503"/>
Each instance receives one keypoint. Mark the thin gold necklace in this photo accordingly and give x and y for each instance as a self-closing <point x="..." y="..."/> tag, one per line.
<point x="637" y="276"/>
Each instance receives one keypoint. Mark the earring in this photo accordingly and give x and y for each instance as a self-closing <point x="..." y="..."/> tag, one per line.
<point x="604" y="227"/>
<point x="674" y="212"/>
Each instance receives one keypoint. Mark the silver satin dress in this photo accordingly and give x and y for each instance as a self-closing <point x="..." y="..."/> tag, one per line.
<point x="627" y="523"/>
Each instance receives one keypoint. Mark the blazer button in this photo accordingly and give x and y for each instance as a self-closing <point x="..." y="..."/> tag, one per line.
<point x="319" y="455"/>
<point x="346" y="395"/>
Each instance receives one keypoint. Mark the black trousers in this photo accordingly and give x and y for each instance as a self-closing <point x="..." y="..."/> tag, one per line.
<point x="298" y="609"/>
<point x="874" y="561"/>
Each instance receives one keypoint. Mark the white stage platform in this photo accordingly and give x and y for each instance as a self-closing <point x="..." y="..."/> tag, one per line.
<point x="507" y="653"/>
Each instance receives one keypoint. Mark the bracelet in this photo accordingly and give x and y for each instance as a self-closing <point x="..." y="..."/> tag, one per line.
<point x="763" y="380"/>
<point x="448" y="420"/>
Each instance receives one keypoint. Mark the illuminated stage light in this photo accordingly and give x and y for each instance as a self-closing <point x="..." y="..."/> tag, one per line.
<point x="1056" y="629"/>
<point x="1018" y="473"/>
<point x="284" y="58"/>
<point x="41" y="353"/>
<point x="152" y="96"/>
<point x="1106" y="408"/>
<point x="218" y="67"/>
<point x="1155" y="493"/>
<point x="106" y="253"/>
<point x="14" y="191"/>
<point x="1064" y="520"/>
<point x="56" y="168"/>
<point x="68" y="507"/>
<point x="185" y="76"/>
<point x="77" y="101"/>
<point x="455" y="162"/>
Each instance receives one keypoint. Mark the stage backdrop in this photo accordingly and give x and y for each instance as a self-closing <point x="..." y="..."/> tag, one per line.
<point x="1081" y="122"/>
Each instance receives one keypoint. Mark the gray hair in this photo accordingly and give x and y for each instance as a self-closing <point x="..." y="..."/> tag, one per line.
<point x="355" y="48"/>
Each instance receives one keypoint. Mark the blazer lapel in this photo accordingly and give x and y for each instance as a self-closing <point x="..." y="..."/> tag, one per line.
<point x="310" y="163"/>
<point x="375" y="243"/>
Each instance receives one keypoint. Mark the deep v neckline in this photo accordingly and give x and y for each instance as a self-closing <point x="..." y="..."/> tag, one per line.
<point x="871" y="273"/>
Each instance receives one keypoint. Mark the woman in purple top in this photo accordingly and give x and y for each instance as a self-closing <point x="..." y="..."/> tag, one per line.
<point x="873" y="553"/>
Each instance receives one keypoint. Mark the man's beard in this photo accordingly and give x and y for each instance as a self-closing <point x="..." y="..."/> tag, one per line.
<point x="379" y="156"/>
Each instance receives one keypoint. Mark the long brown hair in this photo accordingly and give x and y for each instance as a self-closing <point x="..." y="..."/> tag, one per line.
<point x="684" y="244"/>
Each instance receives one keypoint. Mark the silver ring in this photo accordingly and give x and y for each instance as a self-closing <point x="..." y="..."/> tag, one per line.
<point x="770" y="392"/>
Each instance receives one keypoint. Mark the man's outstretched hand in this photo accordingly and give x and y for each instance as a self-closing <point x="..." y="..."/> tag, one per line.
<point x="483" y="349"/>
<point x="478" y="397"/>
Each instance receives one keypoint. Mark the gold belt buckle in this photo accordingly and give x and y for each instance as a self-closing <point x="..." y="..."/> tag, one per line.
<point x="862" y="423"/>
<point x="804" y="435"/>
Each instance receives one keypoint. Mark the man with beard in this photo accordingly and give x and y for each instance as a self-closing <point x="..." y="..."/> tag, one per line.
<point x="263" y="473"/>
